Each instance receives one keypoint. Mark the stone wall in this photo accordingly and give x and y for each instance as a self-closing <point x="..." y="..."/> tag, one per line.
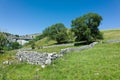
<point x="67" y="50"/>
<point x="32" y="57"/>
<point x="58" y="45"/>
<point x="36" y="58"/>
<point x="113" y="41"/>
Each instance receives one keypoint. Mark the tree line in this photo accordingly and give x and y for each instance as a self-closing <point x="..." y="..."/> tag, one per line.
<point x="6" y="44"/>
<point x="83" y="28"/>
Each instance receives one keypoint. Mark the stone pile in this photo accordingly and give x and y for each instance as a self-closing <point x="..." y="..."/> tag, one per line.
<point x="36" y="58"/>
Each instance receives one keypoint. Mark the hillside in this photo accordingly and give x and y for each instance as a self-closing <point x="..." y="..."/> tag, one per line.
<point x="111" y="34"/>
<point x="45" y="42"/>
<point x="98" y="63"/>
<point x="107" y="34"/>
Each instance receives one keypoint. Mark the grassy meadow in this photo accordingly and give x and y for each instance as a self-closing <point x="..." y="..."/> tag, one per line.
<point x="111" y="34"/>
<point x="99" y="63"/>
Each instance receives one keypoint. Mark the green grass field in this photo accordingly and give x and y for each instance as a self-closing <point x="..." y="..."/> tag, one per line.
<point x="45" y="42"/>
<point x="111" y="34"/>
<point x="99" y="63"/>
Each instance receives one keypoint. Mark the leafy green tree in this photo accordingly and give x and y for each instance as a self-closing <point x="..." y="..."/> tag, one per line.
<point x="3" y="41"/>
<point x="32" y="43"/>
<point x="15" y="45"/>
<point x="70" y="35"/>
<point x="12" y="46"/>
<point x="56" y="32"/>
<point x="86" y="27"/>
<point x="39" y="37"/>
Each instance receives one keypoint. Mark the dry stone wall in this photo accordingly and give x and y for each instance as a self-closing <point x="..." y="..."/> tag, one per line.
<point x="67" y="50"/>
<point x="32" y="57"/>
<point x="36" y="58"/>
<point x="113" y="41"/>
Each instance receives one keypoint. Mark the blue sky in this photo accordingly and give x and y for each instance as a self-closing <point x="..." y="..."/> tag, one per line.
<point x="33" y="16"/>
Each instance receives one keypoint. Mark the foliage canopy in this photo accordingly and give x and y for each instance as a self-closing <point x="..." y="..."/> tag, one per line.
<point x="56" y="32"/>
<point x="86" y="27"/>
<point x="3" y="40"/>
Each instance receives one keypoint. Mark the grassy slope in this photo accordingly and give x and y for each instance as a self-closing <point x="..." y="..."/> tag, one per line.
<point x="7" y="56"/>
<point x="45" y="42"/>
<point x="108" y="34"/>
<point x="111" y="34"/>
<point x="52" y="49"/>
<point x="99" y="63"/>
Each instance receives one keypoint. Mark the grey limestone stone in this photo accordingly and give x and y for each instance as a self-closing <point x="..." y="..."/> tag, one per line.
<point x="32" y="57"/>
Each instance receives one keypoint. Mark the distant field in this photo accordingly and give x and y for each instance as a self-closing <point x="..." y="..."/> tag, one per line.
<point x="107" y="34"/>
<point x="111" y="34"/>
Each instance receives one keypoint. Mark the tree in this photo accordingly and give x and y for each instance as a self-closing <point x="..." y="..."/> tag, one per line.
<point x="12" y="46"/>
<point x="32" y="42"/>
<point x="15" y="45"/>
<point x="86" y="27"/>
<point x="3" y="41"/>
<point x="70" y="35"/>
<point x="56" y="32"/>
<point x="39" y="37"/>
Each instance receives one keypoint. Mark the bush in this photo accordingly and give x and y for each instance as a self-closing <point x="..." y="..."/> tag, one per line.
<point x="12" y="46"/>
